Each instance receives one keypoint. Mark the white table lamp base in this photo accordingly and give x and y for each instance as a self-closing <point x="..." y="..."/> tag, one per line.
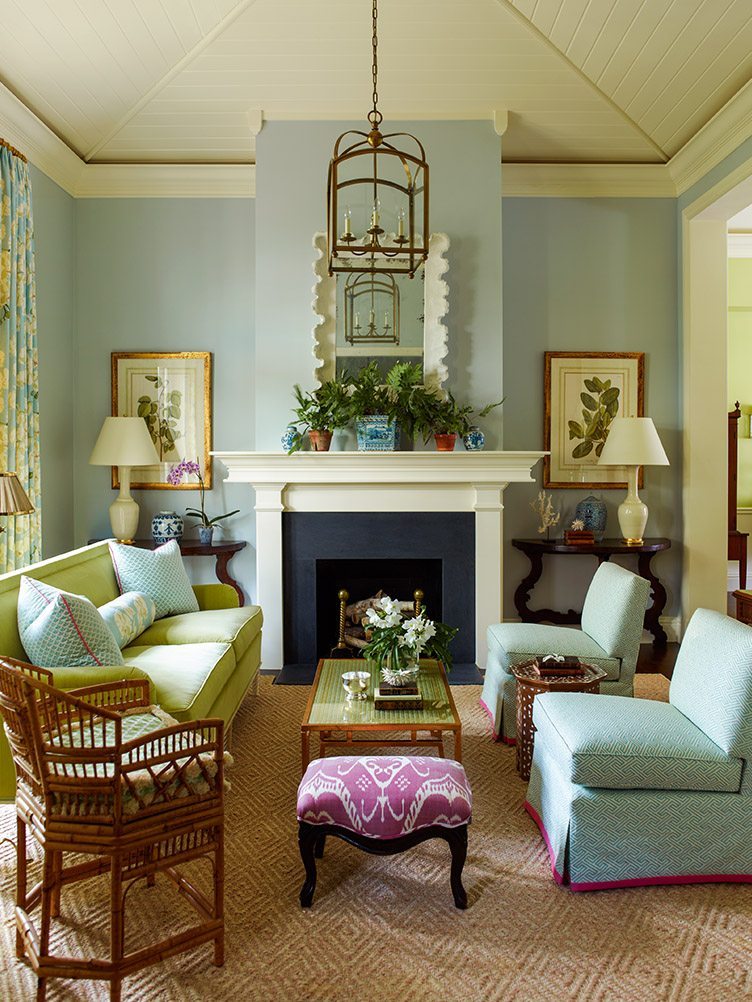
<point x="124" y="510"/>
<point x="633" y="513"/>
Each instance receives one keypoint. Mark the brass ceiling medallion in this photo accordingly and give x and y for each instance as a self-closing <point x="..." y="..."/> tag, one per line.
<point x="384" y="221"/>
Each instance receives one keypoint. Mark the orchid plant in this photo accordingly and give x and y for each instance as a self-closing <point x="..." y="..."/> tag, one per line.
<point x="186" y="467"/>
<point x="401" y="640"/>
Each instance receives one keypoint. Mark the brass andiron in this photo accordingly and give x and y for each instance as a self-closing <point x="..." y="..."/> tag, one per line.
<point x="418" y="597"/>
<point x="342" y="650"/>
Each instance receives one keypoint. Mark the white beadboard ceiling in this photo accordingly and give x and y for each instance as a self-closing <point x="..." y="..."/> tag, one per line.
<point x="179" y="81"/>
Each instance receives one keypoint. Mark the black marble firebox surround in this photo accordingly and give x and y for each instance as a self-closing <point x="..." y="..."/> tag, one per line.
<point x="311" y="541"/>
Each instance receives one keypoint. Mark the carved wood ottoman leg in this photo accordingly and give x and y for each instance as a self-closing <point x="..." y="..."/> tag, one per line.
<point x="320" y="844"/>
<point x="307" y="840"/>
<point x="457" y="839"/>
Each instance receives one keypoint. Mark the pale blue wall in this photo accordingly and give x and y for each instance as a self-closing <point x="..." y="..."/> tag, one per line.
<point x="55" y="258"/>
<point x="465" y="183"/>
<point x="590" y="275"/>
<point x="171" y="275"/>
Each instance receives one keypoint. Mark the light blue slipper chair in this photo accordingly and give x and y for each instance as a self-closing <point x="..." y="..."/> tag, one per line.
<point x="612" y="619"/>
<point x="635" y="791"/>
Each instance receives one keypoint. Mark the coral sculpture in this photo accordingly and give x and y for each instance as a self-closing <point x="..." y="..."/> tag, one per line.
<point x="543" y="506"/>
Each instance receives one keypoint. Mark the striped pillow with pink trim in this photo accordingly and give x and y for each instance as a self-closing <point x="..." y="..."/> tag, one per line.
<point x="60" y="630"/>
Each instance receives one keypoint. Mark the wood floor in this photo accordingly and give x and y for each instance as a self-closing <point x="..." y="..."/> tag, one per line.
<point x="657" y="661"/>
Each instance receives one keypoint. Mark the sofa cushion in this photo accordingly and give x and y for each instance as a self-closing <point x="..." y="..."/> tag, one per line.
<point x="58" y="628"/>
<point x="513" y="643"/>
<point x="385" y="796"/>
<point x="187" y="678"/>
<point x="236" y="626"/>
<point x="158" y="573"/>
<point x="620" y="743"/>
<point x="128" y="615"/>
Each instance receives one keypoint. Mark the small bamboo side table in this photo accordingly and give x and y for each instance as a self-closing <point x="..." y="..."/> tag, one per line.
<point x="529" y="684"/>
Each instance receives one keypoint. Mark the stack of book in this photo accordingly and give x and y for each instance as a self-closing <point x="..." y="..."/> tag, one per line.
<point x="551" y="665"/>
<point x="581" y="536"/>
<point x="392" y="697"/>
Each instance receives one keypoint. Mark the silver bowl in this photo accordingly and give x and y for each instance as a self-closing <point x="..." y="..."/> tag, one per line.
<point x="356" y="684"/>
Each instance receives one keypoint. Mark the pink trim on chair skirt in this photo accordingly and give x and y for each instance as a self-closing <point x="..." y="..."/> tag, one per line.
<point x="605" y="885"/>
<point x="497" y="737"/>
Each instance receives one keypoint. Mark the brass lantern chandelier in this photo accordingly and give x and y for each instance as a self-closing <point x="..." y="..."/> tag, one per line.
<point x="377" y="196"/>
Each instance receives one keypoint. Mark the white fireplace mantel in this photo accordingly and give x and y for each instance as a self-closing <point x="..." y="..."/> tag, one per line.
<point x="373" y="481"/>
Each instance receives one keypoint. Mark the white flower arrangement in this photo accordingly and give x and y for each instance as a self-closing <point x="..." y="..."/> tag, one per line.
<point x="399" y="642"/>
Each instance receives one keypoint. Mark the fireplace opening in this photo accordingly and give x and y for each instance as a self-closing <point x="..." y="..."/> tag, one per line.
<point x="363" y="579"/>
<point x="362" y="552"/>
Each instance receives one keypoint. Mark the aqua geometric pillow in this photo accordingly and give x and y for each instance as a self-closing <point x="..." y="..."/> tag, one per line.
<point x="60" y="630"/>
<point x="128" y="616"/>
<point x="159" y="573"/>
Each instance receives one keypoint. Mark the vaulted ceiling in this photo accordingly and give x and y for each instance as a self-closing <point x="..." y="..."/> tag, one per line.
<point x="160" y="81"/>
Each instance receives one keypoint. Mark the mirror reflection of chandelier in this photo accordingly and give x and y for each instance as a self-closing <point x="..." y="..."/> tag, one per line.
<point x="377" y="196"/>
<point x="372" y="309"/>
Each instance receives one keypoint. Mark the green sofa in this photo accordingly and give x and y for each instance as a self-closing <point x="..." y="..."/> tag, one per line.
<point x="200" y="664"/>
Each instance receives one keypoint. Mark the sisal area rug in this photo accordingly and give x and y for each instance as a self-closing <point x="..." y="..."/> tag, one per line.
<point x="386" y="929"/>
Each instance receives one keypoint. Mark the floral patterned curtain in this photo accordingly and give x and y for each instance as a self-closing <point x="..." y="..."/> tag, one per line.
<point x="20" y="544"/>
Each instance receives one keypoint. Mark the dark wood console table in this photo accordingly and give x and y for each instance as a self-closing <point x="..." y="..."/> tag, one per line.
<point x="222" y="552"/>
<point x="607" y="548"/>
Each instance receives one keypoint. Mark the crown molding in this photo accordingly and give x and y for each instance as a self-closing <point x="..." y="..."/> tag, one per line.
<point x="719" y="137"/>
<point x="167" y="181"/>
<point x="586" y="181"/>
<point x="21" y="128"/>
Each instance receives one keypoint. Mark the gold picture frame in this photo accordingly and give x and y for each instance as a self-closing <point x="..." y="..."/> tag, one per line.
<point x="172" y="391"/>
<point x="583" y="391"/>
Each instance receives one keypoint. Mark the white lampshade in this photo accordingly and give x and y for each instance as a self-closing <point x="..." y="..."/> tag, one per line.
<point x="633" y="441"/>
<point x="124" y="441"/>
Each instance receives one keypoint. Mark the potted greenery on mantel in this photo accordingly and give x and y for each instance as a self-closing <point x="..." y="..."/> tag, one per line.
<point x="320" y="412"/>
<point x="380" y="407"/>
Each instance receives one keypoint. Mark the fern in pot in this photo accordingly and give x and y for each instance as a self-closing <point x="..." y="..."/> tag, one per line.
<point x="373" y="409"/>
<point x="319" y="412"/>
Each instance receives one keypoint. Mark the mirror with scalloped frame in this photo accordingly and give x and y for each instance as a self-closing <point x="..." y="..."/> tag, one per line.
<point x="361" y="316"/>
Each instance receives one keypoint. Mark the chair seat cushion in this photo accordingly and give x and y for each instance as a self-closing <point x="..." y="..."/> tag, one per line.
<point x="618" y="743"/>
<point x="385" y="796"/>
<point x="188" y="678"/>
<point x="238" y="627"/>
<point x="513" y="643"/>
<point x="185" y="777"/>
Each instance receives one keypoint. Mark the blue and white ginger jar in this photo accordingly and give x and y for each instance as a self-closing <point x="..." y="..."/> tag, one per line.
<point x="592" y="511"/>
<point x="290" y="438"/>
<point x="474" y="440"/>
<point x="166" y="525"/>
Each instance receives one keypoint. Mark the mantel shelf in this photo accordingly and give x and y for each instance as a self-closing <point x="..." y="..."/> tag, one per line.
<point x="483" y="467"/>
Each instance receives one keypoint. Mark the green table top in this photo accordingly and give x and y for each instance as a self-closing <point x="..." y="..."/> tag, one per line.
<point x="329" y="706"/>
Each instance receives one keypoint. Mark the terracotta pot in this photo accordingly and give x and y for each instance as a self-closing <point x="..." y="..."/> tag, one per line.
<point x="320" y="440"/>
<point x="445" y="442"/>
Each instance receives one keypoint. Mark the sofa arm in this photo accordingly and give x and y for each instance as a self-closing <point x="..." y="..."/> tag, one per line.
<point x="216" y="596"/>
<point x="88" y="675"/>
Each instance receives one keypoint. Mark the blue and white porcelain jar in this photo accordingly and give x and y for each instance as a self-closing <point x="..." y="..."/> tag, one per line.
<point x="592" y="511"/>
<point x="290" y="438"/>
<point x="377" y="433"/>
<point x="166" y="525"/>
<point x="474" y="440"/>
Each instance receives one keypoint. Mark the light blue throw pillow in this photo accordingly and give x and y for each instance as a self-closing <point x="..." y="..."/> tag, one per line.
<point x="159" y="573"/>
<point x="60" y="630"/>
<point x="128" y="616"/>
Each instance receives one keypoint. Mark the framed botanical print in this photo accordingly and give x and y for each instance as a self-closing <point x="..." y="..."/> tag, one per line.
<point x="171" y="391"/>
<point x="584" y="392"/>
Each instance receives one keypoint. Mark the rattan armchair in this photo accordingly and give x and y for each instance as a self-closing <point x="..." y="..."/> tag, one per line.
<point x="102" y="773"/>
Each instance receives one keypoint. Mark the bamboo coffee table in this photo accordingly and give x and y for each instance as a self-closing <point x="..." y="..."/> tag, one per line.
<point x="340" y="722"/>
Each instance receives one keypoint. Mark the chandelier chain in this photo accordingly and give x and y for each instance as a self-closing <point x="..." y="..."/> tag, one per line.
<point x="375" y="64"/>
